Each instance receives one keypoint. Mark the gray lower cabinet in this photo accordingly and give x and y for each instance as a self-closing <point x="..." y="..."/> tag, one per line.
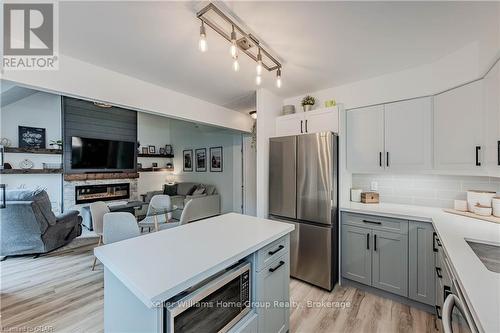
<point x="273" y="290"/>
<point x="421" y="277"/>
<point x="356" y="254"/>
<point x="390" y="262"/>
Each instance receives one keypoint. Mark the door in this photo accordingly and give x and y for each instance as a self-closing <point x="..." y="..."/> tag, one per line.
<point x="459" y="129"/>
<point x="326" y="120"/>
<point x="282" y="176"/>
<point x="317" y="162"/>
<point x="365" y="139"/>
<point x="290" y="125"/>
<point x="390" y="262"/>
<point x="273" y="286"/>
<point x="356" y="254"/>
<point x="421" y="279"/>
<point x="408" y="135"/>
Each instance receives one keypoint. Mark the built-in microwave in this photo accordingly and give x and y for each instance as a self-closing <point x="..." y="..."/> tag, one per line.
<point x="214" y="305"/>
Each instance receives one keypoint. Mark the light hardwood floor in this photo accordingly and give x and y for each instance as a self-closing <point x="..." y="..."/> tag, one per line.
<point x="59" y="293"/>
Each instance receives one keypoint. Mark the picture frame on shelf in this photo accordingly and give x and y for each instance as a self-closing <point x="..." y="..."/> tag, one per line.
<point x="169" y="150"/>
<point x="162" y="151"/>
<point x="151" y="149"/>
<point x="31" y="137"/>
<point x="187" y="158"/>
<point x="216" y="159"/>
<point x="154" y="165"/>
<point x="145" y="150"/>
<point x="201" y="159"/>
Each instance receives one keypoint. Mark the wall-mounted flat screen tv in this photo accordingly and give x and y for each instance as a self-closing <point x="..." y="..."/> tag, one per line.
<point x="87" y="153"/>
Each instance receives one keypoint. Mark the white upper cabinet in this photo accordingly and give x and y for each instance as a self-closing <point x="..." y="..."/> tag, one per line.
<point x="459" y="136"/>
<point x="491" y="89"/>
<point x="408" y="135"/>
<point x="323" y="120"/>
<point x="365" y="139"/>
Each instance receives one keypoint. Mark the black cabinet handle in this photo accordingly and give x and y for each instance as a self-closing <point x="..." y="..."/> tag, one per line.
<point x="281" y="247"/>
<point x="438" y="309"/>
<point x="272" y="269"/>
<point x="375" y="242"/>
<point x="367" y="241"/>
<point x="446" y="291"/>
<point x="301" y="130"/>
<point x="438" y="272"/>
<point x="498" y="153"/>
<point x="434" y="249"/>
<point x="372" y="222"/>
<point x="306" y="126"/>
<point x="380" y="159"/>
<point x="387" y="159"/>
<point x="478" y="148"/>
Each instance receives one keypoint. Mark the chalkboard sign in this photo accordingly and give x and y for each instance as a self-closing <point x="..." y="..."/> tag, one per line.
<point x="31" y="137"/>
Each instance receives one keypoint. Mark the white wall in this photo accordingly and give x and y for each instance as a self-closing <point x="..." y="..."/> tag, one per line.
<point x="268" y="108"/>
<point x="462" y="66"/>
<point x="80" y="79"/>
<point x="37" y="110"/>
<point x="249" y="176"/>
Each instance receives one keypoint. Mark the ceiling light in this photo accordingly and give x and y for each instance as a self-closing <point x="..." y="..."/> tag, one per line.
<point x="278" y="78"/>
<point x="253" y="114"/>
<point x="202" y="44"/>
<point x="102" y="105"/>
<point x="258" y="80"/>
<point x="236" y="65"/>
<point x="233" y="49"/>
<point x="259" y="63"/>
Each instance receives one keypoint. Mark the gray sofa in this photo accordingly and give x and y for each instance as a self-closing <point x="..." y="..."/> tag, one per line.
<point x="207" y="204"/>
<point x="28" y="225"/>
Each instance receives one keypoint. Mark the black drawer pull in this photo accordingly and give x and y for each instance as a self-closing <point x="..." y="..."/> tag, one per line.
<point x="281" y="247"/>
<point x="301" y="130"/>
<point x="434" y="238"/>
<point x="367" y="241"/>
<point x="272" y="269"/>
<point x="375" y="242"/>
<point x="438" y="309"/>
<point x="438" y="272"/>
<point x="372" y="222"/>
<point x="446" y="291"/>
<point x="380" y="159"/>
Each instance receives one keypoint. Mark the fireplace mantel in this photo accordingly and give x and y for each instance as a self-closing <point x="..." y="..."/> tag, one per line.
<point x="99" y="176"/>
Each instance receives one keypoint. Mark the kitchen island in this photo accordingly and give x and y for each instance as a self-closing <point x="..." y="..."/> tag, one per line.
<point x="144" y="274"/>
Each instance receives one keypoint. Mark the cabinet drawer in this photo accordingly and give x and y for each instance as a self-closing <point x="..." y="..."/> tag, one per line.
<point x="271" y="252"/>
<point x="376" y="222"/>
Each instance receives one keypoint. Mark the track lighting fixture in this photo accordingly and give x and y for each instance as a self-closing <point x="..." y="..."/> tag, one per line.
<point x="240" y="42"/>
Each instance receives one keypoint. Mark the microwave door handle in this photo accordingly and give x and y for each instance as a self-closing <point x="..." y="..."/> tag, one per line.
<point x="3" y="204"/>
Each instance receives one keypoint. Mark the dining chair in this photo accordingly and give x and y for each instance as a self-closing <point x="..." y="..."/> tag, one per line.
<point x="186" y="217"/>
<point x="159" y="212"/>
<point x="97" y="211"/>
<point x="119" y="226"/>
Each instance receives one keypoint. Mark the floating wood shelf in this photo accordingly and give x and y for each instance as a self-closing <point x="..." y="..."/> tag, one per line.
<point x="155" y="169"/>
<point x="155" y="155"/>
<point x="96" y="176"/>
<point x="32" y="150"/>
<point x="30" y="171"/>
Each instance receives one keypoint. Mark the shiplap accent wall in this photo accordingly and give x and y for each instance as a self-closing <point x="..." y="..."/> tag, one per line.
<point x="84" y="119"/>
<point x="424" y="190"/>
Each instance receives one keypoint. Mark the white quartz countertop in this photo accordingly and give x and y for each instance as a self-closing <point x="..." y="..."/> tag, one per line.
<point x="159" y="265"/>
<point x="480" y="286"/>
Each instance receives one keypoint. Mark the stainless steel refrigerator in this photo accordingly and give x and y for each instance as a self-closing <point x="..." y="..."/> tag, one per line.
<point x="303" y="190"/>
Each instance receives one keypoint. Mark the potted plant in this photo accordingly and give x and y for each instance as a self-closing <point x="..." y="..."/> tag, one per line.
<point x="308" y="102"/>
<point x="56" y="144"/>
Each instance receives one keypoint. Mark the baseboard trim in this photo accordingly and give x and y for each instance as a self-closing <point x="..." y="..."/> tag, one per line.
<point x="382" y="293"/>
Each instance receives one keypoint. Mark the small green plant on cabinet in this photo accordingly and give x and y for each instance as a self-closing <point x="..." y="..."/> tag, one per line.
<point x="308" y="100"/>
<point x="57" y="143"/>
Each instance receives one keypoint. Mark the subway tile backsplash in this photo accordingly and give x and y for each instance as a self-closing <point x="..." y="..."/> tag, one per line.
<point x="424" y="190"/>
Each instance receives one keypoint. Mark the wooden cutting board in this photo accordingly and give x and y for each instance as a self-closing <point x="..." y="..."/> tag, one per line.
<point x="491" y="218"/>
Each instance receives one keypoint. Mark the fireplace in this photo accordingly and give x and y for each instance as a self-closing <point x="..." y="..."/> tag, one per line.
<point x="101" y="192"/>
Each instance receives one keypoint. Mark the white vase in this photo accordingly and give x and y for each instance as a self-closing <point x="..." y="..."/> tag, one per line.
<point x="307" y="107"/>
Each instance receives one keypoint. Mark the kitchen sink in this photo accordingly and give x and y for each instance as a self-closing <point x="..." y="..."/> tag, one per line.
<point x="488" y="253"/>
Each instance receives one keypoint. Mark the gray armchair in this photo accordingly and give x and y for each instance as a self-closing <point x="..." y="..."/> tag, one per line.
<point x="28" y="225"/>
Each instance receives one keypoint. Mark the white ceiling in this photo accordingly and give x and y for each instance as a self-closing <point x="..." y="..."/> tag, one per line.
<point x="321" y="44"/>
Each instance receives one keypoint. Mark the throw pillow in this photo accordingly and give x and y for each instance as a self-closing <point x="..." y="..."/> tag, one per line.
<point x="170" y="190"/>
<point x="199" y="190"/>
<point x="190" y="192"/>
